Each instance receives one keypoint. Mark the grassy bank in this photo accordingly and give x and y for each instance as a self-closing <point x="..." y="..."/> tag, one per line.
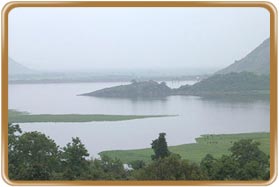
<point x="217" y="145"/>
<point x="24" y="117"/>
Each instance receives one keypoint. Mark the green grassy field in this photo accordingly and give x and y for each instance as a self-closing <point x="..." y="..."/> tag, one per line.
<point x="217" y="145"/>
<point x="24" y="117"/>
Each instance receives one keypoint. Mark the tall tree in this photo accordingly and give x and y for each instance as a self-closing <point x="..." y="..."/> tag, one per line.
<point x="160" y="147"/>
<point x="74" y="159"/>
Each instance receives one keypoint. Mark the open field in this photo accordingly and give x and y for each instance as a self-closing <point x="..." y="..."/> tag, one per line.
<point x="24" y="117"/>
<point x="217" y="145"/>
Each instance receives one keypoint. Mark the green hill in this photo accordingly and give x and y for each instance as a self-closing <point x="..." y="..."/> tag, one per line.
<point x="232" y="83"/>
<point x="257" y="61"/>
<point x="247" y="77"/>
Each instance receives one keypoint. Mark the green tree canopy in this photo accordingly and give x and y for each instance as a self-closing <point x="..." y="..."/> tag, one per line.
<point x="36" y="156"/>
<point x="14" y="132"/>
<point x="170" y="168"/>
<point x="74" y="159"/>
<point x="254" y="163"/>
<point x="137" y="164"/>
<point x="160" y="147"/>
<point x="246" y="162"/>
<point x="209" y="166"/>
<point x="246" y="150"/>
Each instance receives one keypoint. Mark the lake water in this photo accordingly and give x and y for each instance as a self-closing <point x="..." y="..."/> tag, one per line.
<point x="196" y="116"/>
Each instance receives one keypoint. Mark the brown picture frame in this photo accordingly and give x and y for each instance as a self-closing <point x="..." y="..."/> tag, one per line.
<point x="273" y="87"/>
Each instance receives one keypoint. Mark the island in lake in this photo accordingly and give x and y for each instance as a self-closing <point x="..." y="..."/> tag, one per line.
<point x="249" y="76"/>
<point x="150" y="89"/>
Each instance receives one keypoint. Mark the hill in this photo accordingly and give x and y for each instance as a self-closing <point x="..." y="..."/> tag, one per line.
<point x="16" y="68"/>
<point x="247" y="77"/>
<point x="232" y="83"/>
<point x="257" y="61"/>
<point x="239" y="84"/>
<point x="143" y="89"/>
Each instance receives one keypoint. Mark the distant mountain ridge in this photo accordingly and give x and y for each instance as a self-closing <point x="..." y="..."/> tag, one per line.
<point x="16" y="68"/>
<point x="249" y="76"/>
<point x="19" y="73"/>
<point x="257" y="61"/>
<point x="244" y="83"/>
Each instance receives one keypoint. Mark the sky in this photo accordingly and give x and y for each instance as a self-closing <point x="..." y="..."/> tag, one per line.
<point x="72" y="39"/>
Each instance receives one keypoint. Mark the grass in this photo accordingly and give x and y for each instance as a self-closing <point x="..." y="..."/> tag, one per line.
<point x="217" y="145"/>
<point x="24" y="117"/>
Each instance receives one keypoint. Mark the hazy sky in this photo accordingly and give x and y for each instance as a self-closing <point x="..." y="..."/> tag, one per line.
<point x="92" y="38"/>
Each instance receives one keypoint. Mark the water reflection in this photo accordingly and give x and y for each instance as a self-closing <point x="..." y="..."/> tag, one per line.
<point x="196" y="116"/>
<point x="237" y="98"/>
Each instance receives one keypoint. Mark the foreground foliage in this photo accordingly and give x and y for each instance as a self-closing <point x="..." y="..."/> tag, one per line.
<point x="214" y="144"/>
<point x="34" y="156"/>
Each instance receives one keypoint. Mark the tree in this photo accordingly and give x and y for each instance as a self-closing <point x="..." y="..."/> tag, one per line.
<point x="160" y="147"/>
<point x="96" y="171"/>
<point x="74" y="159"/>
<point x="209" y="166"/>
<point x="137" y="164"/>
<point x="254" y="163"/>
<point x="14" y="132"/>
<point x="106" y="168"/>
<point x="226" y="169"/>
<point x="246" y="162"/>
<point x="170" y="168"/>
<point x="113" y="168"/>
<point x="35" y="156"/>
<point x="246" y="150"/>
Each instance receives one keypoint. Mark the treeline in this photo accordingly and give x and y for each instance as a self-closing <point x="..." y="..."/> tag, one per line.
<point x="34" y="156"/>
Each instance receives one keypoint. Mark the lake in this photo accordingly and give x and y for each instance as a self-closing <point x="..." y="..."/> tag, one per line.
<point x="196" y="116"/>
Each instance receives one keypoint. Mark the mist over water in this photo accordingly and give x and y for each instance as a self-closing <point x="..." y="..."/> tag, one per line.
<point x="71" y="39"/>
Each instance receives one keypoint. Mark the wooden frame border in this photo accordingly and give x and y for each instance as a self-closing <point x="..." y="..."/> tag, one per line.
<point x="273" y="86"/>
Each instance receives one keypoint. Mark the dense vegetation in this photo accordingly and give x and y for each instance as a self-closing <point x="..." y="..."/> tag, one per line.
<point x="24" y="117"/>
<point x="34" y="156"/>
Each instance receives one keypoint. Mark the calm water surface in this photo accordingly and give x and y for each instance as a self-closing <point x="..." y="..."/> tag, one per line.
<point x="196" y="116"/>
